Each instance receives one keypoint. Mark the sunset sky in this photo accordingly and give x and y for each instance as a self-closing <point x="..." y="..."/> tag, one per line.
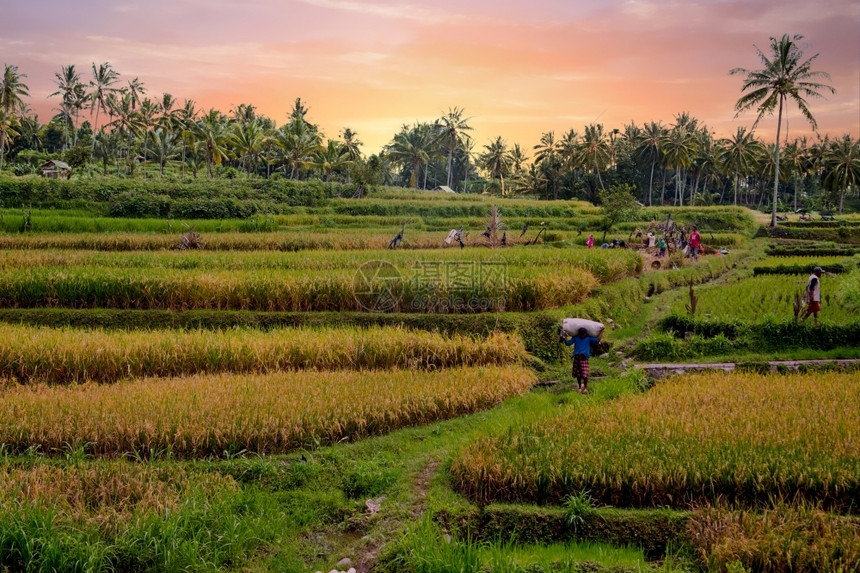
<point x="519" y="68"/>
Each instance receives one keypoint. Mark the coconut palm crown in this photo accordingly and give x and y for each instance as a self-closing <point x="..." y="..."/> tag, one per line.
<point x="785" y="75"/>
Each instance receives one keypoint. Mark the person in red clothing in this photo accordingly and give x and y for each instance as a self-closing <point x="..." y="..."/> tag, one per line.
<point x="695" y="243"/>
<point x="813" y="295"/>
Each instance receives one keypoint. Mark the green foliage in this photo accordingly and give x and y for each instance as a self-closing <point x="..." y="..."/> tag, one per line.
<point x="719" y="337"/>
<point x="850" y="290"/>
<point x="241" y="196"/>
<point x="368" y="478"/>
<point x="809" y="251"/>
<point x="129" y="204"/>
<point x="77" y="156"/>
<point x="578" y="508"/>
<point x="617" y="204"/>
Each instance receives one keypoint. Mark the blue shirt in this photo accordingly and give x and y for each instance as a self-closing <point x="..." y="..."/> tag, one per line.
<point x="582" y="345"/>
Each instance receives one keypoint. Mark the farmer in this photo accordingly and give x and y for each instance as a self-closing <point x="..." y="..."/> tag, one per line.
<point x="813" y="295"/>
<point x="661" y="244"/>
<point x="590" y="241"/>
<point x="695" y="243"/>
<point x="581" y="352"/>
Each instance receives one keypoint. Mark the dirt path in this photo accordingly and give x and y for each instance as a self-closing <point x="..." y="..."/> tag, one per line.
<point x="365" y="562"/>
<point x="662" y="370"/>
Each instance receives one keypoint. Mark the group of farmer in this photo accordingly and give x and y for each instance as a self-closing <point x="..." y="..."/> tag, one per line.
<point x="583" y="341"/>
<point x="691" y="244"/>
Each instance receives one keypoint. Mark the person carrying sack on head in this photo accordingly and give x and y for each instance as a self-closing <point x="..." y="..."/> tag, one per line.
<point x="813" y="295"/>
<point x="581" y="353"/>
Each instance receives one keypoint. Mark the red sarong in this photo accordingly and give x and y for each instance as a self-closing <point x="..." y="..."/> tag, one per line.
<point x="580" y="366"/>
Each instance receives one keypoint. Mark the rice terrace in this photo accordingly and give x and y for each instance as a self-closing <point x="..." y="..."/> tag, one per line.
<point x="231" y="346"/>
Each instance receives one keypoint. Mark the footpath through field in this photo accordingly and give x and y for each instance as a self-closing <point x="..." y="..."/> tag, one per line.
<point x="666" y="369"/>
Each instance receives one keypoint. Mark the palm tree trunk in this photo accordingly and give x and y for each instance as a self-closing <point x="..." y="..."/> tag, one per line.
<point x="2" y="146"/>
<point x="663" y="189"/>
<point x="450" y="161"/>
<point x="651" y="181"/>
<point x="776" y="162"/>
<point x="795" y="194"/>
<point x="736" y="187"/>
<point x="695" y="189"/>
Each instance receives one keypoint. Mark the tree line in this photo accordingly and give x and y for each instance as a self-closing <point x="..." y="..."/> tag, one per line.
<point x="104" y="125"/>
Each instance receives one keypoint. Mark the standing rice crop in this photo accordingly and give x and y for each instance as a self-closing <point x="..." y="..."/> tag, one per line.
<point x="739" y="437"/>
<point x="105" y="493"/>
<point x="280" y="290"/>
<point x="67" y="355"/>
<point x="217" y="414"/>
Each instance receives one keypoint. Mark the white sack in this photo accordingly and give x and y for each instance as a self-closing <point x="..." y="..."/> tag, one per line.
<point x="571" y="326"/>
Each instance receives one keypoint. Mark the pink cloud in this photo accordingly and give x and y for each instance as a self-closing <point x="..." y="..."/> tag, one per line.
<point x="518" y="71"/>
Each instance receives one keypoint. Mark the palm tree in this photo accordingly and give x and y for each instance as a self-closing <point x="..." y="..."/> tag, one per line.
<point x="104" y="77"/>
<point x="546" y="156"/>
<point x="648" y="145"/>
<point x="244" y="113"/>
<point x="739" y="154"/>
<point x="187" y="118"/>
<point x="533" y="180"/>
<point x="497" y="160"/>
<point x="351" y="147"/>
<point x="12" y="89"/>
<point x="127" y="121"/>
<point x="170" y="114"/>
<point x="299" y="141"/>
<point x="453" y="128"/>
<point x="72" y="92"/>
<point x="410" y="149"/>
<point x="135" y="89"/>
<point x="211" y="130"/>
<point x="518" y="158"/>
<point x="247" y="139"/>
<point x="796" y="162"/>
<point x="162" y="143"/>
<point x="330" y="157"/>
<point x="842" y="167"/>
<point x="467" y="152"/>
<point x="785" y="75"/>
<point x="147" y="117"/>
<point x="768" y="167"/>
<point x="679" y="148"/>
<point x="595" y="150"/>
<point x="704" y="163"/>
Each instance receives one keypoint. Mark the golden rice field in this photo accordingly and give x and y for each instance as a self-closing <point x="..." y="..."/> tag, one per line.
<point x="605" y="264"/>
<point x="786" y="537"/>
<point x="434" y="281"/>
<point x="743" y="438"/>
<point x="302" y="239"/>
<point x="104" y="493"/>
<point x="302" y="291"/>
<point x="69" y="355"/>
<point x="210" y="415"/>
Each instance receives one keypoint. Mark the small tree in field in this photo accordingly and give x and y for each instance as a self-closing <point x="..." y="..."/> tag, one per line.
<point x="618" y="204"/>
